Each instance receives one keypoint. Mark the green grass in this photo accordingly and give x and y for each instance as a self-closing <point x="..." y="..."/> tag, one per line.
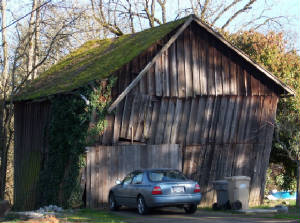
<point x="87" y="215"/>
<point x="291" y="204"/>
<point x="78" y="216"/>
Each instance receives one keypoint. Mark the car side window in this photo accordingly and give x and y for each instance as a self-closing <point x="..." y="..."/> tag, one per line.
<point x="127" y="180"/>
<point x="138" y="178"/>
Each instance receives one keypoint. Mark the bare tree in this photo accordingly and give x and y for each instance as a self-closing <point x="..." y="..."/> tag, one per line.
<point x="32" y="46"/>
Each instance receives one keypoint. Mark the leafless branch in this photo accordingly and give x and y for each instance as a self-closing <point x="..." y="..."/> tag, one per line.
<point x="242" y="10"/>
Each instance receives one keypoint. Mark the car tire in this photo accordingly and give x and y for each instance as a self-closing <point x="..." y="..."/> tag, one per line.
<point x="190" y="209"/>
<point x="113" y="206"/>
<point x="142" y="206"/>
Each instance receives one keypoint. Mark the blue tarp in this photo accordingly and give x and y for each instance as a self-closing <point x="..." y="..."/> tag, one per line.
<point x="284" y="195"/>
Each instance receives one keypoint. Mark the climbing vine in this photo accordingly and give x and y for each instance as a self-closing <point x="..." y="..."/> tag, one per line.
<point x="100" y="99"/>
<point x="75" y="120"/>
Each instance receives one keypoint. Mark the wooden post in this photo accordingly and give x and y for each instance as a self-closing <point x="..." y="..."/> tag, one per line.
<point x="298" y="186"/>
<point x="131" y="134"/>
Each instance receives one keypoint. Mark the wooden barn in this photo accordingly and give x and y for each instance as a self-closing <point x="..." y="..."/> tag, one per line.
<point x="183" y="97"/>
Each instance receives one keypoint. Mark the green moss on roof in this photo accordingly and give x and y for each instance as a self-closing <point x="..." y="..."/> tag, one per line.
<point x="94" y="60"/>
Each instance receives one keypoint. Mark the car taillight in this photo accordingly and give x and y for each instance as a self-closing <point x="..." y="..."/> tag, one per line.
<point x="197" y="188"/>
<point x="156" y="190"/>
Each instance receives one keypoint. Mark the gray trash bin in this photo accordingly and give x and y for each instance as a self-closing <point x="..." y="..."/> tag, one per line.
<point x="221" y="186"/>
<point x="238" y="191"/>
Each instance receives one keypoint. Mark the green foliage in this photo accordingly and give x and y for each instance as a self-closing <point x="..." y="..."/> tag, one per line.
<point x="66" y="143"/>
<point x="95" y="60"/>
<point x="100" y="100"/>
<point x="69" y="131"/>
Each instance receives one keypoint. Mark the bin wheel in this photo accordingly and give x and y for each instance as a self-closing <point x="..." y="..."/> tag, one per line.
<point x="216" y="207"/>
<point x="227" y="205"/>
<point x="237" y="205"/>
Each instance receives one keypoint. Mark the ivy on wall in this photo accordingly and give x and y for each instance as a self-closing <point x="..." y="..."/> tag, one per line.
<point x="69" y="131"/>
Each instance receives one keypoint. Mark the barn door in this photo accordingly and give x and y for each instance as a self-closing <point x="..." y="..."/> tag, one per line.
<point x="106" y="164"/>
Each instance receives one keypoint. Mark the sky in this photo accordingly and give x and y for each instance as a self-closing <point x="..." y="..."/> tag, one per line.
<point x="286" y="8"/>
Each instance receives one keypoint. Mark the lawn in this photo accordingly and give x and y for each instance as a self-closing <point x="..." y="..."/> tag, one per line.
<point x="78" y="216"/>
<point x="293" y="213"/>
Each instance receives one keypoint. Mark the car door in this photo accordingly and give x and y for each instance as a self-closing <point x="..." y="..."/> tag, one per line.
<point x="122" y="194"/>
<point x="135" y="188"/>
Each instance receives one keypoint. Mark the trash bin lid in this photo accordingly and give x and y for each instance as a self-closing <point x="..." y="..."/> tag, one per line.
<point x="238" y="178"/>
<point x="220" y="182"/>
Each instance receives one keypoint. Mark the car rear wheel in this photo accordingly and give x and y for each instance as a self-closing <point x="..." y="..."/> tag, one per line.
<point x="113" y="206"/>
<point x="141" y="206"/>
<point x="190" y="209"/>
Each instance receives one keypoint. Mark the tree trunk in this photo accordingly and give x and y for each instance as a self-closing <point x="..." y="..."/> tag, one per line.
<point x="3" y="152"/>
<point x="4" y="45"/>
<point x="298" y="185"/>
<point x="31" y="40"/>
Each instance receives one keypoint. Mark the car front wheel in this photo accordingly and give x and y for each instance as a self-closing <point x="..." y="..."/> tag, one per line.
<point x="141" y="206"/>
<point x="190" y="209"/>
<point x="113" y="206"/>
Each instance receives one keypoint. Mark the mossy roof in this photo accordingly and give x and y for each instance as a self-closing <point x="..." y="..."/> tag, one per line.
<point x="94" y="60"/>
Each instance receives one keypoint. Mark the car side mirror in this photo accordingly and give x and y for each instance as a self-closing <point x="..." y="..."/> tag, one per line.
<point x="118" y="182"/>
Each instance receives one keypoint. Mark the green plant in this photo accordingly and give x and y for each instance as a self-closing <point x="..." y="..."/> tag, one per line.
<point x="69" y="131"/>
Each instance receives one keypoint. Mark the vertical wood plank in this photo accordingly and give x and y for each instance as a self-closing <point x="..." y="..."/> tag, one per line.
<point x="203" y="62"/>
<point x="243" y="119"/>
<point x="199" y="120"/>
<point x="150" y="80"/>
<point x="169" y="121"/>
<point x="154" y="122"/>
<point x="214" y="120"/>
<point x="221" y="121"/>
<point x="235" y="120"/>
<point x="188" y="63"/>
<point x="211" y="71"/>
<point x="195" y="64"/>
<point x="176" y="120"/>
<point x="181" y="139"/>
<point x="93" y="174"/>
<point x="254" y="85"/>
<point x="180" y="67"/>
<point x="141" y="117"/>
<point x="192" y="121"/>
<point x="233" y="78"/>
<point x="225" y="75"/>
<point x="88" y="177"/>
<point x="218" y="74"/>
<point x="206" y="120"/>
<point x="158" y="77"/>
<point x="148" y="116"/>
<point x="228" y="119"/>
<point x="166" y="92"/>
<point x="161" y="122"/>
<point x="247" y="83"/>
<point x="173" y="70"/>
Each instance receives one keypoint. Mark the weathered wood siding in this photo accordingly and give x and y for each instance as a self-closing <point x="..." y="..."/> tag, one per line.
<point x="30" y="145"/>
<point x="106" y="164"/>
<point x="196" y="64"/>
<point x="202" y="95"/>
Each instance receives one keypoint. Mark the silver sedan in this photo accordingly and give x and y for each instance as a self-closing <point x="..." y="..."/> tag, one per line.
<point x="146" y="189"/>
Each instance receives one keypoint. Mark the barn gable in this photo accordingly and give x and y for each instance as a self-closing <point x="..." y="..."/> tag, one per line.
<point x="196" y="57"/>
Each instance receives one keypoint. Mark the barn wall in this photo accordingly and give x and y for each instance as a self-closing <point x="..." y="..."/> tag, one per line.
<point x="200" y="94"/>
<point x="106" y="164"/>
<point x="30" y="123"/>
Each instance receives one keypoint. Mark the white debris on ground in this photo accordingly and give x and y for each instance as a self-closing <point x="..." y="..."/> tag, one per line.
<point x="43" y="211"/>
<point x="50" y="208"/>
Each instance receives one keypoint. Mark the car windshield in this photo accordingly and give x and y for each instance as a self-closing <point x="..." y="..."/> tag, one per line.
<point x="166" y="175"/>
